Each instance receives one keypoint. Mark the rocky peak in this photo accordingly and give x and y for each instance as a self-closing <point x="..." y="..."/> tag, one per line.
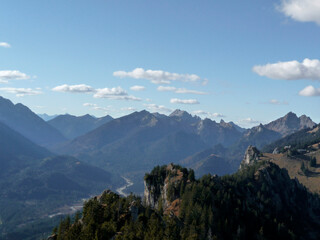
<point x="290" y="115"/>
<point x="225" y="124"/>
<point x="306" y="122"/>
<point x="179" y="113"/>
<point x="162" y="187"/>
<point x="290" y="123"/>
<point x="251" y="156"/>
<point x="184" y="116"/>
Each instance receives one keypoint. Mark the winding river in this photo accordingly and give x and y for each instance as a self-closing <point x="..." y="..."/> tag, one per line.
<point x="120" y="190"/>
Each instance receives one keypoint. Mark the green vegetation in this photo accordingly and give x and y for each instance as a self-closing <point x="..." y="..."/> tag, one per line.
<point x="261" y="202"/>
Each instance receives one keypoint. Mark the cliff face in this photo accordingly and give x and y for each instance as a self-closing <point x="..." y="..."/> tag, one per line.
<point x="259" y="202"/>
<point x="163" y="188"/>
<point x="251" y="156"/>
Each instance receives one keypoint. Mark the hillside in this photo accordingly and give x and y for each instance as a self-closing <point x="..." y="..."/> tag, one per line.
<point x="72" y="126"/>
<point x="21" y="119"/>
<point x="258" y="202"/>
<point x="34" y="196"/>
<point x="34" y="183"/>
<point x="17" y="152"/>
<point x="299" y="140"/>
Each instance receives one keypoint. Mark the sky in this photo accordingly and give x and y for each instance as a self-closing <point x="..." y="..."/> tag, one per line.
<point x="248" y="61"/>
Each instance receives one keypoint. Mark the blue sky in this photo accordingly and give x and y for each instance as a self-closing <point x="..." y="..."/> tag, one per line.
<point x="244" y="61"/>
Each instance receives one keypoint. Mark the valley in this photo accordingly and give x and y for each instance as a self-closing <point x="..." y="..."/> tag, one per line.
<point x="42" y="185"/>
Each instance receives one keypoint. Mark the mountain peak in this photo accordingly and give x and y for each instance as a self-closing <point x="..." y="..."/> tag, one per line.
<point x="179" y="113"/>
<point x="290" y="115"/>
<point x="289" y="124"/>
<point x="184" y="116"/>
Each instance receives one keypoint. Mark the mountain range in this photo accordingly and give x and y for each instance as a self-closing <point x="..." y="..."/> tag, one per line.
<point x="133" y="144"/>
<point x="21" y="119"/>
<point x="72" y="126"/>
<point x="88" y="154"/>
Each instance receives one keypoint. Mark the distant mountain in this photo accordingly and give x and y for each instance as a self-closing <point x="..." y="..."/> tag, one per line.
<point x="290" y="123"/>
<point x="71" y="126"/>
<point x="17" y="152"/>
<point x="136" y="142"/>
<point x="212" y="160"/>
<point x="240" y="129"/>
<point x="217" y="133"/>
<point x="298" y="140"/>
<point x="258" y="136"/>
<point x="47" y="117"/>
<point x="34" y="183"/>
<point x="143" y="138"/>
<point x="23" y="120"/>
<point x="184" y="116"/>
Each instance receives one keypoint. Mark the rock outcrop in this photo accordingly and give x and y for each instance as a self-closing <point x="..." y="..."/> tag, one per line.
<point x="251" y="156"/>
<point x="162" y="188"/>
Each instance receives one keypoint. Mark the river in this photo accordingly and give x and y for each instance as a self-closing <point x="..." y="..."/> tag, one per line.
<point x="120" y="190"/>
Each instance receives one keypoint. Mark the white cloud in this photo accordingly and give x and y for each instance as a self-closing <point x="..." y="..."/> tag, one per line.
<point x="301" y="10"/>
<point x="89" y="105"/>
<point x="5" y="45"/>
<point x="208" y="114"/>
<point x="158" y="108"/>
<point x="21" y="92"/>
<point x="138" y="88"/>
<point x="184" y="101"/>
<point x="166" y="89"/>
<point x="158" y="76"/>
<point x="292" y="70"/>
<point x="310" y="91"/>
<point x="179" y="90"/>
<point x="7" y="75"/>
<point x="248" y="121"/>
<point x="277" y="102"/>
<point x="81" y="88"/>
<point x="130" y="109"/>
<point x="116" y="93"/>
<point x="96" y="107"/>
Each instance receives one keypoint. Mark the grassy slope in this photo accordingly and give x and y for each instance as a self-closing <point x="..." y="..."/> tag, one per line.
<point x="293" y="164"/>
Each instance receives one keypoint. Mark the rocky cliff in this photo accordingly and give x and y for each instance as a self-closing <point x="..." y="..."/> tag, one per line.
<point x="251" y="156"/>
<point x="163" y="187"/>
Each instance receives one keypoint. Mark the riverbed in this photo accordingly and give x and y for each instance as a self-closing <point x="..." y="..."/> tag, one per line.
<point x="121" y="190"/>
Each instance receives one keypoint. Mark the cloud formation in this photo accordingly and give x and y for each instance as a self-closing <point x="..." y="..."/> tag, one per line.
<point x="5" y="45"/>
<point x="158" y="76"/>
<point x="21" y="92"/>
<point x="7" y="75"/>
<point x="310" y="91"/>
<point x="184" y="101"/>
<point x="96" y="107"/>
<point x="81" y="88"/>
<point x="277" y="102"/>
<point x="179" y="90"/>
<point x="301" y="10"/>
<point x="130" y="109"/>
<point x="208" y="114"/>
<point x="116" y="93"/>
<point x="158" y="108"/>
<point x="292" y="70"/>
<point x="138" y="88"/>
<point x="248" y="122"/>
